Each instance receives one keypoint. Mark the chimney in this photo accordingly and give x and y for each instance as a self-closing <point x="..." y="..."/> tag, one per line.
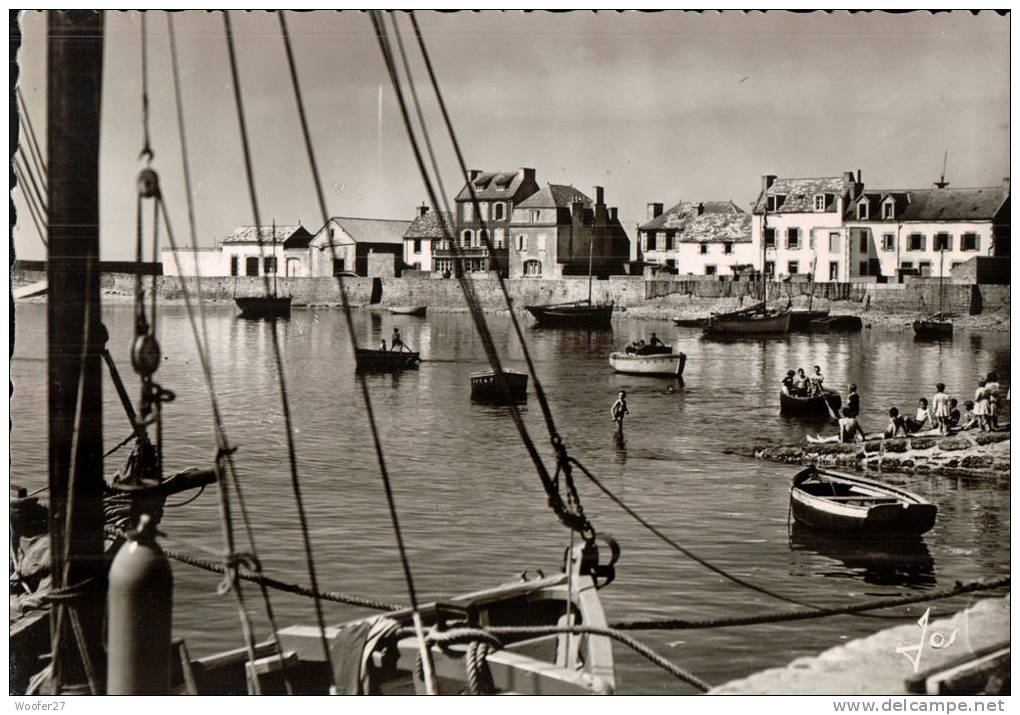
<point x="472" y="173"/>
<point x="422" y="210"/>
<point x="577" y="208"/>
<point x="859" y="176"/>
<point x="701" y="208"/>
<point x="600" y="195"/>
<point x="654" y="211"/>
<point x="528" y="174"/>
<point x="766" y="181"/>
<point x="613" y="218"/>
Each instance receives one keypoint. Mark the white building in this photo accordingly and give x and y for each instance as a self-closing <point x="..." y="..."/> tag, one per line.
<point x="707" y="238"/>
<point x="344" y="244"/>
<point x="245" y="252"/>
<point x="423" y="235"/>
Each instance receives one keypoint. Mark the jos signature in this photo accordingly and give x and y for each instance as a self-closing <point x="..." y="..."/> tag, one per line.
<point x="937" y="641"/>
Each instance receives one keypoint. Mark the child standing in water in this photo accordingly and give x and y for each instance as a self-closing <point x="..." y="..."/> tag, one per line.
<point x="619" y="410"/>
<point x="940" y="408"/>
<point x="992" y="387"/>
<point x="981" y="405"/>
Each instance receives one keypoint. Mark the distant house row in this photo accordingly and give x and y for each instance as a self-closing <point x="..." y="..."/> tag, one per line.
<point x="831" y="229"/>
<point x="824" y="229"/>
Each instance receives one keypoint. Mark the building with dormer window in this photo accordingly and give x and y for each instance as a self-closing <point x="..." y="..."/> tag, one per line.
<point x="703" y="238"/>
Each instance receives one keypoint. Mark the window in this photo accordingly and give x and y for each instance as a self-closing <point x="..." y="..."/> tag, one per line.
<point x="770" y="238"/>
<point x="770" y="268"/>
<point x="532" y="268"/>
<point x="233" y="265"/>
<point x="499" y="238"/>
<point x="770" y="203"/>
<point x="862" y="211"/>
<point x="417" y="245"/>
<point x="774" y="203"/>
<point x="834" y="242"/>
<point x="483" y="237"/>
<point x="915" y="242"/>
<point x="497" y="211"/>
<point x="541" y="242"/>
<point x="703" y="249"/>
<point x="466" y="238"/>
<point x="251" y="266"/>
<point x="833" y="270"/>
<point x="888" y="209"/>
<point x="969" y="241"/>
<point x="535" y="215"/>
<point x="709" y="270"/>
<point x="792" y="267"/>
<point x="820" y="202"/>
<point x="522" y="243"/>
<point x="943" y="241"/>
<point x="907" y="265"/>
<point x="727" y="248"/>
<point x="660" y="241"/>
<point x="864" y="242"/>
<point x="338" y="266"/>
<point x="269" y="264"/>
<point x="671" y="242"/>
<point x="924" y="268"/>
<point x="888" y="241"/>
<point x="793" y="238"/>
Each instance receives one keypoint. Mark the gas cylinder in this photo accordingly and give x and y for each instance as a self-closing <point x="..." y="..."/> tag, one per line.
<point x="140" y="609"/>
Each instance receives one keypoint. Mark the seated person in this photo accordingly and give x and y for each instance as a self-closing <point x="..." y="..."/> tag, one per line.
<point x="968" y="420"/>
<point x="788" y="386"/>
<point x="847" y="429"/>
<point x="897" y="424"/>
<point x="921" y="419"/>
<point x="954" y="413"/>
<point x="801" y="383"/>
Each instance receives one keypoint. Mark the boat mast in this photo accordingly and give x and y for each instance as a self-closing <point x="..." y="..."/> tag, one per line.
<point x="764" y="249"/>
<point x="275" y="267"/>
<point x="942" y="274"/>
<point x="75" y="405"/>
<point x="591" y="250"/>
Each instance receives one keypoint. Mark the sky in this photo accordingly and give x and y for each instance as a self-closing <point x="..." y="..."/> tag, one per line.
<point x="654" y="107"/>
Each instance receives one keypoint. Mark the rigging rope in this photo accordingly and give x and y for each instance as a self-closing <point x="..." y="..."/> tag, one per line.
<point x="366" y="398"/>
<point x="33" y="211"/>
<point x="284" y="401"/>
<point x="33" y="142"/>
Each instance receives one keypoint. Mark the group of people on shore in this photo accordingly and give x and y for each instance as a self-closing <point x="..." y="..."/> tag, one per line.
<point x="799" y="384"/>
<point x="945" y="414"/>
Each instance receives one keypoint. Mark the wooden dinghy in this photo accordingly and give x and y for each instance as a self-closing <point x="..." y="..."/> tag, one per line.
<point x="415" y="310"/>
<point x="837" y="323"/>
<point x="386" y="360"/>
<point x="660" y="361"/>
<point x="801" y="319"/>
<point x="816" y="407"/>
<point x="690" y="322"/>
<point x="379" y="655"/>
<point x="264" y="306"/>
<point x="750" y="323"/>
<point x="933" y="328"/>
<point x="838" y="502"/>
<point x="485" y="387"/>
<point x="580" y="313"/>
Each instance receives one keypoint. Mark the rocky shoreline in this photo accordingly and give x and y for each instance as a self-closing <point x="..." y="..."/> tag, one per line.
<point x="966" y="454"/>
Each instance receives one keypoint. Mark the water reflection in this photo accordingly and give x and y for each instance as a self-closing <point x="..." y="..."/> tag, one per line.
<point x="886" y="561"/>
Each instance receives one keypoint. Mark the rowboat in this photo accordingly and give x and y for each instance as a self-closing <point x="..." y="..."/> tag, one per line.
<point x="385" y="360"/>
<point x="486" y="387"/>
<point x="837" y="323"/>
<point x="801" y="319"/>
<point x="661" y="362"/>
<point x="934" y="328"/>
<point x="416" y="310"/>
<point x="817" y="407"/>
<point x="264" y="306"/>
<point x="833" y="501"/>
<point x="379" y="655"/>
<point x="753" y="324"/>
<point x="690" y="322"/>
<point x="580" y="313"/>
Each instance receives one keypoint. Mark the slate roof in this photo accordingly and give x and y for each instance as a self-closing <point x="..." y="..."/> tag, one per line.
<point x="487" y="185"/>
<point x="248" y="234"/>
<point x="430" y="226"/>
<point x="367" y="230"/>
<point x="948" y="204"/>
<point x="718" y="227"/>
<point x="800" y="194"/>
<point x="678" y="214"/>
<point x="554" y="196"/>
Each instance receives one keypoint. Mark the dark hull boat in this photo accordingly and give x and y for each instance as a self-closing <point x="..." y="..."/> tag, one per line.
<point x="933" y="328"/>
<point x="817" y="407"/>
<point x="690" y="322"/>
<point x="386" y="360"/>
<point x="837" y="323"/>
<point x="485" y="387"/>
<point x="573" y="314"/>
<point x="837" y="502"/>
<point x="801" y="319"/>
<point x="748" y="324"/>
<point x="415" y="310"/>
<point x="265" y="306"/>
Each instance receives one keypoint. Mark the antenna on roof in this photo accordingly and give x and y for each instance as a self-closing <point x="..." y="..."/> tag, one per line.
<point x="942" y="183"/>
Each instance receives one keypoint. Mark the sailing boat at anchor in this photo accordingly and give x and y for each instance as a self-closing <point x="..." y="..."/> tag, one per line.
<point x="266" y="306"/>
<point x="936" y="327"/>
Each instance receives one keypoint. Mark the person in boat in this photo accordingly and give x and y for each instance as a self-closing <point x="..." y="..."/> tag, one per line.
<point x="897" y="424"/>
<point x="816" y="381"/>
<point x="981" y="405"/>
<point x="940" y="408"/>
<point x="992" y="387"/>
<point x="635" y="347"/>
<point x="847" y="429"/>
<point x="921" y="419"/>
<point x="968" y="420"/>
<point x="788" y="383"/>
<point x="654" y="341"/>
<point x="853" y="400"/>
<point x="954" y="413"/>
<point x="382" y="344"/>
<point x="801" y="383"/>
<point x="619" y="410"/>
<point x="395" y="342"/>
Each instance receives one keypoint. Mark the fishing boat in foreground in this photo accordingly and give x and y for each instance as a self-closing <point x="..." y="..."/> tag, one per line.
<point x="415" y="310"/>
<point x="650" y="360"/>
<point x="833" y="501"/>
<point x="579" y="313"/>
<point x="264" y="306"/>
<point x="934" y="328"/>
<point x="386" y="360"/>
<point x="380" y="655"/>
<point x="817" y="407"/>
<point x="486" y="387"/>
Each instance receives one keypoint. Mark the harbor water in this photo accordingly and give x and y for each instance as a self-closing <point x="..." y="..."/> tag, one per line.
<point x="472" y="508"/>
